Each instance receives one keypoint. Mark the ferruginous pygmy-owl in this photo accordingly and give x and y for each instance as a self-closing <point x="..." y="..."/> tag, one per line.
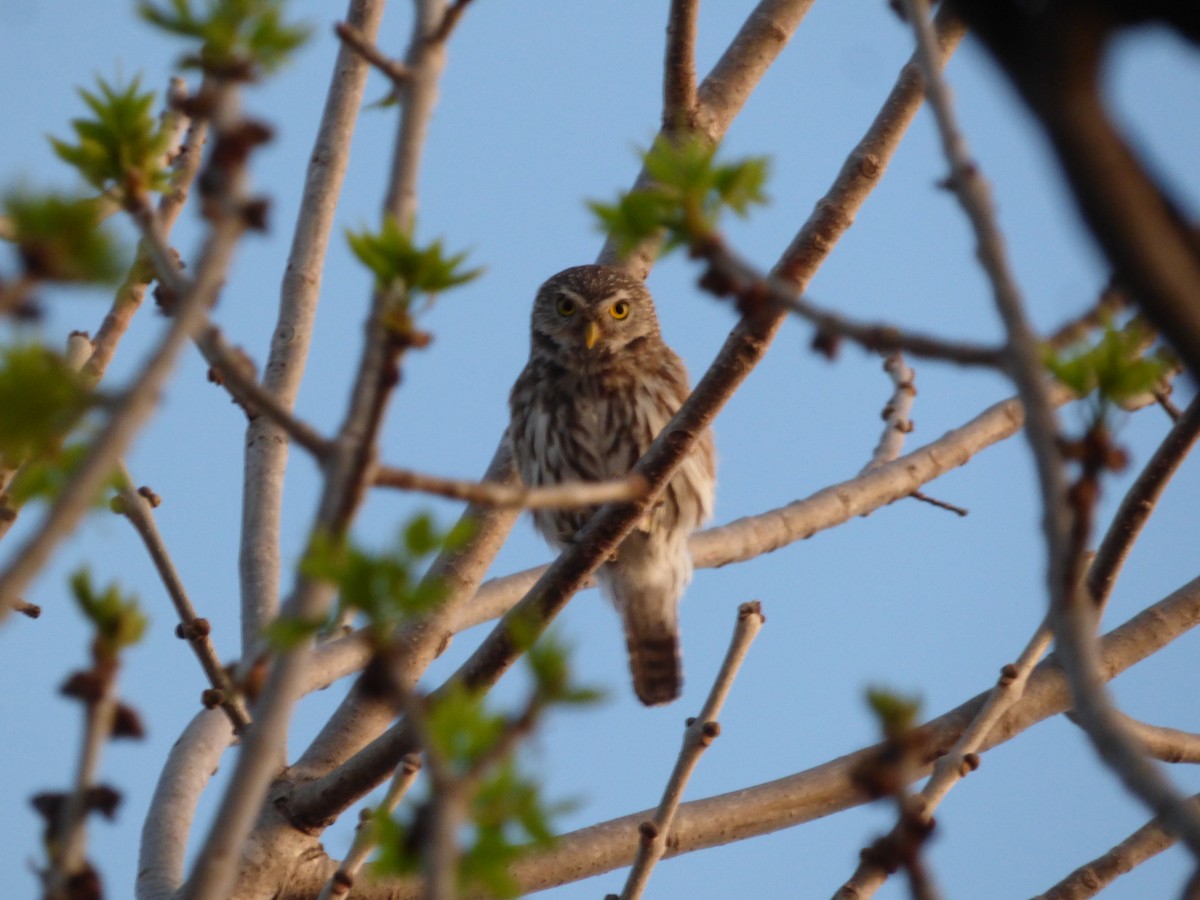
<point x="599" y="386"/>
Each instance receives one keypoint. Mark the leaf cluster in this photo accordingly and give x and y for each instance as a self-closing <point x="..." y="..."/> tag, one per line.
<point x="117" y="619"/>
<point x="45" y="476"/>
<point x="387" y="588"/>
<point x="406" y="271"/>
<point x="507" y="812"/>
<point x="62" y="238"/>
<point x="690" y="190"/>
<point x="122" y="145"/>
<point x="1115" y="368"/>
<point x="41" y="400"/>
<point x="237" y="38"/>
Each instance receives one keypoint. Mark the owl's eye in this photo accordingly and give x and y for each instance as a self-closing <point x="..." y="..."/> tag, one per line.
<point x="620" y="309"/>
<point x="566" y="306"/>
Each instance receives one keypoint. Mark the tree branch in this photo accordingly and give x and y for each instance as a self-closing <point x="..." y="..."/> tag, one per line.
<point x="679" y="68"/>
<point x="1094" y="876"/>
<point x="552" y="496"/>
<point x="135" y="505"/>
<point x="266" y="453"/>
<point x="699" y="733"/>
<point x="821" y="790"/>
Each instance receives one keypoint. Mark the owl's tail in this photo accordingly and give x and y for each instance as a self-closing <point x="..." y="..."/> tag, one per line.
<point x="656" y="665"/>
<point x="645" y="582"/>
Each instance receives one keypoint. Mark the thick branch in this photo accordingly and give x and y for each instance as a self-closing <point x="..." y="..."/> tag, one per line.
<point x="265" y="460"/>
<point x="679" y="68"/>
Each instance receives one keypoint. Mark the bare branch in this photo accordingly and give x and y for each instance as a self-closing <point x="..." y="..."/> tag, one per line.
<point x="1139" y="502"/>
<point x="136" y="506"/>
<point x="1094" y="876"/>
<point x="343" y="879"/>
<point x="345" y="479"/>
<point x="897" y="423"/>
<point x="700" y="732"/>
<point x="235" y="373"/>
<point x="731" y="274"/>
<point x="266" y="453"/>
<point x="393" y="69"/>
<point x="549" y="497"/>
<point x="679" y="69"/>
<point x="450" y="21"/>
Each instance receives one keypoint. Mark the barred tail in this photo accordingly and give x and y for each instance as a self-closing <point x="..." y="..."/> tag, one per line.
<point x="656" y="665"/>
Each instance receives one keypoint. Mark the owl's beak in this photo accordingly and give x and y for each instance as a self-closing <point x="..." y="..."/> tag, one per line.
<point x="592" y="334"/>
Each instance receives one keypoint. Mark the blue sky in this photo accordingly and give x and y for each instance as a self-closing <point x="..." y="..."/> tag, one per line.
<point x="542" y="106"/>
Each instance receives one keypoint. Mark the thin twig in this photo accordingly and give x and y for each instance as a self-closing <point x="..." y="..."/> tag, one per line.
<point x="1093" y="877"/>
<point x="1164" y="400"/>
<point x="396" y="71"/>
<point x="940" y="504"/>
<point x="896" y="421"/>
<point x="67" y="849"/>
<point x="729" y="273"/>
<point x="136" y="506"/>
<point x="342" y="881"/>
<point x="700" y="732"/>
<point x="958" y="761"/>
<point x="1139" y="502"/>
<point x="571" y="494"/>
<point x="235" y="373"/>
<point x="1071" y="617"/>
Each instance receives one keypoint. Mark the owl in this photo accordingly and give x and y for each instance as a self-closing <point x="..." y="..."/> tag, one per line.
<point x="599" y="386"/>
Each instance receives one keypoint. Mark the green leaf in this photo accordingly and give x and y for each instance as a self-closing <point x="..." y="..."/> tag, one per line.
<point x="896" y="713"/>
<point x="60" y="237"/>
<point x="1115" y="367"/>
<point x="689" y="191"/>
<point x="549" y="662"/>
<point x="45" y="476"/>
<point x="233" y="38"/>
<point x="386" y="587"/>
<point x="461" y="728"/>
<point x="123" y="145"/>
<point x="400" y="266"/>
<point x="288" y="632"/>
<point x="42" y="399"/>
<point x="117" y="620"/>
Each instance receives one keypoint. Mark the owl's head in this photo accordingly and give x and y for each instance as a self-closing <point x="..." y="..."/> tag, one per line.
<point x="593" y="312"/>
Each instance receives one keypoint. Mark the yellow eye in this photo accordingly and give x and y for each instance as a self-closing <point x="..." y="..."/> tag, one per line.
<point x="620" y="309"/>
<point x="566" y="306"/>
